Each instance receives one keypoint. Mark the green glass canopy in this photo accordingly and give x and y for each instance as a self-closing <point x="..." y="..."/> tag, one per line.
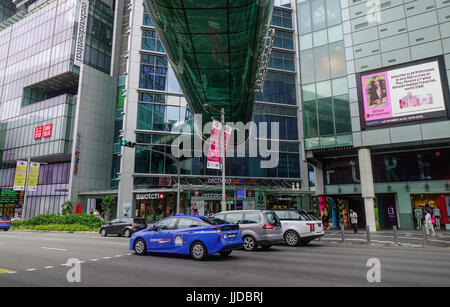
<point x="214" y="47"/>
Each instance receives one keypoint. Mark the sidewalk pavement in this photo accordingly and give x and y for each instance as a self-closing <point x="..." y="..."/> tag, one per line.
<point x="413" y="238"/>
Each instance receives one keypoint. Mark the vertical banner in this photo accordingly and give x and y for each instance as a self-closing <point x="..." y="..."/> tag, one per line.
<point x="21" y="173"/>
<point x="126" y="210"/>
<point x="214" y="153"/>
<point x="260" y="200"/>
<point x="81" y="33"/>
<point x="33" y="176"/>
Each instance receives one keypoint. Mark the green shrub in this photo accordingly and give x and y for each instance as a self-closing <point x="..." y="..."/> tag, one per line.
<point x="57" y="227"/>
<point x="71" y="219"/>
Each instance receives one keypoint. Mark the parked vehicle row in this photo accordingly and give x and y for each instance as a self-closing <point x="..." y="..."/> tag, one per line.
<point x="199" y="236"/>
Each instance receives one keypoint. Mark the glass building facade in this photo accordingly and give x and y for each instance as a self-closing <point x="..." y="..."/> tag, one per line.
<point x="340" y="41"/>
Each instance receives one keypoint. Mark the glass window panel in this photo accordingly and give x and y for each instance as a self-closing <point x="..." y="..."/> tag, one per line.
<point x="307" y="66"/>
<point x="320" y="38"/>
<point x="318" y="14"/>
<point x="306" y="42"/>
<point x="335" y="34"/>
<point x="337" y="60"/>
<point x="323" y="89"/>
<point x="304" y="18"/>
<point x="325" y="113"/>
<point x="340" y="86"/>
<point x="310" y="119"/>
<point x="334" y="16"/>
<point x="342" y="114"/>
<point x="322" y="63"/>
<point x="309" y="92"/>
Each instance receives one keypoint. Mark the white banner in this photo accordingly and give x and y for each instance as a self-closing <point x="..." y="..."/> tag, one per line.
<point x="81" y="32"/>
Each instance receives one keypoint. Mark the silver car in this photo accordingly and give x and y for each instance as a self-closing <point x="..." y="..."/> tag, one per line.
<point x="258" y="227"/>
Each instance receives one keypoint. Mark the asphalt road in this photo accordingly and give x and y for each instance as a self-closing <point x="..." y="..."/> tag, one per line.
<point x="38" y="259"/>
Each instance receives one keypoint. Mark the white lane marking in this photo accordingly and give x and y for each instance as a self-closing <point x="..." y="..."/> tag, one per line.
<point x="30" y="270"/>
<point x="116" y="243"/>
<point x="48" y="267"/>
<point x="64" y="264"/>
<point x="117" y="256"/>
<point x="12" y="272"/>
<point x="94" y="259"/>
<point x="106" y="257"/>
<point x="54" y="248"/>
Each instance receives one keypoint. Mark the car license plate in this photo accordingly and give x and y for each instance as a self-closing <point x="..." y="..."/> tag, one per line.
<point x="231" y="236"/>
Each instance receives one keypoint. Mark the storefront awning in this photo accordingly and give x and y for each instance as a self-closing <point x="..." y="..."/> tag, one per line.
<point x="214" y="47"/>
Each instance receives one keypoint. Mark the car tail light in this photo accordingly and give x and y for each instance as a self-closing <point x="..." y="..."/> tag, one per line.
<point x="132" y="225"/>
<point x="268" y="226"/>
<point x="311" y="226"/>
<point x="218" y="230"/>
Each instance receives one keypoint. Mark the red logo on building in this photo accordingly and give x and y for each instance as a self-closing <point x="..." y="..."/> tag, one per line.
<point x="38" y="132"/>
<point x="48" y="130"/>
<point x="196" y="192"/>
<point x="78" y="209"/>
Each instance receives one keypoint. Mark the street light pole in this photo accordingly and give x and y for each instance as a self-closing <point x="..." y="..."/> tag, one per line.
<point x="24" y="212"/>
<point x="222" y="153"/>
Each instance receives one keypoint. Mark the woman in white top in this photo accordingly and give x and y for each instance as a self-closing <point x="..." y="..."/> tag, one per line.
<point x="429" y="224"/>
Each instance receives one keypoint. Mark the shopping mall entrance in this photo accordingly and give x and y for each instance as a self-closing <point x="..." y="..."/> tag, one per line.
<point x="434" y="203"/>
<point x="339" y="207"/>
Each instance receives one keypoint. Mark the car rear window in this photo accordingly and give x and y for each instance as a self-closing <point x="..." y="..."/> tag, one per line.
<point x="272" y="218"/>
<point x="139" y="221"/>
<point x="283" y="215"/>
<point x="299" y="216"/>
<point x="213" y="220"/>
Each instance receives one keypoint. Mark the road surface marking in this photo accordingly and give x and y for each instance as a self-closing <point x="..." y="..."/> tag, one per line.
<point x="49" y="267"/>
<point x="30" y="270"/>
<point x="56" y="249"/>
<point x="106" y="257"/>
<point x="3" y="271"/>
<point x="117" y="256"/>
<point x="94" y="259"/>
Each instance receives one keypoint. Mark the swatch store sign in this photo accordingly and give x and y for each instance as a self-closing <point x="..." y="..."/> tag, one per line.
<point x="149" y="196"/>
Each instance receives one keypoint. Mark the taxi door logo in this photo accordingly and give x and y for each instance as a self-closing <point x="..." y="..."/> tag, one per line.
<point x="178" y="240"/>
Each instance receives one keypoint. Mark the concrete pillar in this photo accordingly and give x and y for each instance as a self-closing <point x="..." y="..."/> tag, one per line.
<point x="367" y="186"/>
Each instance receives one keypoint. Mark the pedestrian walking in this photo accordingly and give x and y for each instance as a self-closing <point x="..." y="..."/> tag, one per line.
<point x="326" y="220"/>
<point x="429" y="224"/>
<point x="437" y="215"/>
<point x="354" y="220"/>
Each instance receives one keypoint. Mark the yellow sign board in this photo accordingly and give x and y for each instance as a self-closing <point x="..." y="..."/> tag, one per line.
<point x="21" y="174"/>
<point x="33" y="176"/>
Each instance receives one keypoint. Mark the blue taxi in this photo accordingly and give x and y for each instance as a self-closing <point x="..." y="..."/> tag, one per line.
<point x="197" y="236"/>
<point x="4" y="224"/>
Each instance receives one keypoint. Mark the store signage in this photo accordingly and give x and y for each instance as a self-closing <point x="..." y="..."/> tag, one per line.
<point x="9" y="196"/>
<point x="403" y="93"/>
<point x="38" y="131"/>
<point x="20" y="176"/>
<point x="149" y="196"/>
<point x="196" y="192"/>
<point x="231" y="181"/>
<point x="260" y="200"/>
<point x="47" y="130"/>
<point x="240" y="194"/>
<point x="33" y="177"/>
<point x="77" y="153"/>
<point x="78" y="209"/>
<point x="81" y="33"/>
<point x="250" y="193"/>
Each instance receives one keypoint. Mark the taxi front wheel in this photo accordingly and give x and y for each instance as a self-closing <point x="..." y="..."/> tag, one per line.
<point x="140" y="248"/>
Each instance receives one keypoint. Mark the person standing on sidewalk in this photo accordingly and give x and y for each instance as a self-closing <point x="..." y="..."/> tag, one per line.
<point x="429" y="224"/>
<point x="437" y="215"/>
<point x="354" y="220"/>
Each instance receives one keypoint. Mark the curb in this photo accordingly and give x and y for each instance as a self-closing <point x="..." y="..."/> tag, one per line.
<point x="52" y="231"/>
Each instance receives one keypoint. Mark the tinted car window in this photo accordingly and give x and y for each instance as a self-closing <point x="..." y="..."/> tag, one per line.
<point x="234" y="218"/>
<point x="220" y="216"/>
<point x="125" y="220"/>
<point x="312" y="216"/>
<point x="115" y="221"/>
<point x="139" y="221"/>
<point x="166" y="224"/>
<point x="252" y="218"/>
<point x="213" y="221"/>
<point x="184" y="223"/>
<point x="298" y="216"/>
<point x="272" y="218"/>
<point x="283" y="215"/>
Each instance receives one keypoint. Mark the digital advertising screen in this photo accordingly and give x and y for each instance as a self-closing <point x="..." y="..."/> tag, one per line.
<point x="401" y="94"/>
